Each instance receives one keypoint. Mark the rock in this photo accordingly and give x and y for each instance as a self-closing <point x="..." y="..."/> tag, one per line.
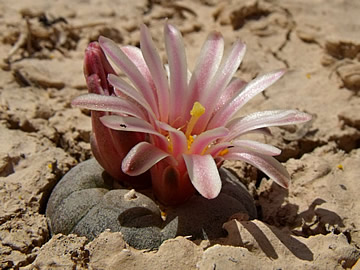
<point x="43" y="73"/>
<point x="235" y="189"/>
<point x="63" y="252"/>
<point x="178" y="253"/>
<point x="106" y="250"/>
<point x="231" y="258"/>
<point x="350" y="117"/>
<point x="83" y="203"/>
<point x="350" y="76"/>
<point x="64" y="206"/>
<point x="138" y="219"/>
<point x="109" y="250"/>
<point x="20" y="238"/>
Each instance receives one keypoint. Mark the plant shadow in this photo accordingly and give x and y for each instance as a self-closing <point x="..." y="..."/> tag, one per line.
<point x="263" y="238"/>
<point x="280" y="226"/>
<point x="278" y="221"/>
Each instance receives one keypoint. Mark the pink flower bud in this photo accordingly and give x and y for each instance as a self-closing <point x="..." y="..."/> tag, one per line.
<point x="108" y="146"/>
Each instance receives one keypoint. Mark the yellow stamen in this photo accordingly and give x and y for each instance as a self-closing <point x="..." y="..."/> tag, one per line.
<point x="190" y="140"/>
<point x="170" y="145"/>
<point x="224" y="152"/>
<point x="197" y="111"/>
<point x="205" y="149"/>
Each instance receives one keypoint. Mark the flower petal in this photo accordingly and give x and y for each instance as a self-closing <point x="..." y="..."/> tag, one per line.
<point x="157" y="71"/>
<point x="239" y="126"/>
<point x="257" y="147"/>
<point x="264" y="131"/>
<point x="215" y="149"/>
<point x="133" y="124"/>
<point x="178" y="73"/>
<point x="221" y="79"/>
<point x="177" y="139"/>
<point x="107" y="104"/>
<point x="136" y="56"/>
<point x="129" y="124"/>
<point x="206" y="67"/>
<point x="203" y="174"/>
<point x="125" y="88"/>
<point x="230" y="92"/>
<point x="202" y="141"/>
<point x="129" y="68"/>
<point x="141" y="158"/>
<point x="269" y="165"/>
<point x="251" y="89"/>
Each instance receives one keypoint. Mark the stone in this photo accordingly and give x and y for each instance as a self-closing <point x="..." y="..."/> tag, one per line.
<point x="109" y="250"/>
<point x="62" y="252"/>
<point x="85" y="203"/>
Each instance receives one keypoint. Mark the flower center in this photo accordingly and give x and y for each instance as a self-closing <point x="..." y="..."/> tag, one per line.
<point x="190" y="140"/>
<point x="197" y="111"/>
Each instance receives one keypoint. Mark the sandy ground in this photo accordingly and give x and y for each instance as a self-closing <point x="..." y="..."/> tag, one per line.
<point x="312" y="225"/>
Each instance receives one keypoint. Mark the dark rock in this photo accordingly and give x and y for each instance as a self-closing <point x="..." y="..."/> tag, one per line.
<point x="84" y="203"/>
<point x="201" y="218"/>
<point x="234" y="188"/>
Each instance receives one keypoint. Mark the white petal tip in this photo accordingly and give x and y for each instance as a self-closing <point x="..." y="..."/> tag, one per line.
<point x="278" y="73"/>
<point x="284" y="183"/>
<point x="204" y="175"/>
<point x="307" y="117"/>
<point x="171" y="30"/>
<point x="102" y="39"/>
<point x="141" y="158"/>
<point x="301" y="117"/>
<point x="211" y="194"/>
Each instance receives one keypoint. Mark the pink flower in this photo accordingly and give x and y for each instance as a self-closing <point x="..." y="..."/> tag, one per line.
<point x="188" y="119"/>
<point x="108" y="145"/>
